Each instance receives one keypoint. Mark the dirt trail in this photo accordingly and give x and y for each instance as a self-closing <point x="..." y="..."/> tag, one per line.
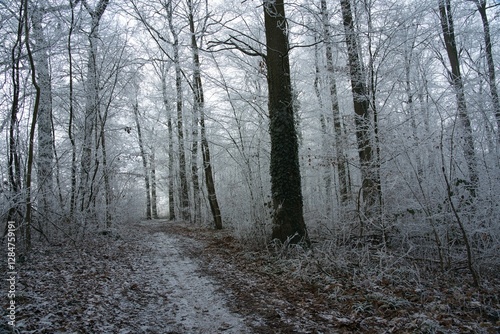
<point x="165" y="277"/>
<point x="139" y="280"/>
<point x="194" y="305"/>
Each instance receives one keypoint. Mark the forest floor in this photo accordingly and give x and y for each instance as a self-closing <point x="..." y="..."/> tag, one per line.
<point x="164" y="277"/>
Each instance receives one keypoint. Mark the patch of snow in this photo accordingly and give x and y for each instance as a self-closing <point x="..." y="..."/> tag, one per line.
<point x="189" y="298"/>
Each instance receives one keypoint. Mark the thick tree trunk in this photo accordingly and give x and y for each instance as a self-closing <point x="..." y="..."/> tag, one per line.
<point x="325" y="142"/>
<point x="288" y="219"/>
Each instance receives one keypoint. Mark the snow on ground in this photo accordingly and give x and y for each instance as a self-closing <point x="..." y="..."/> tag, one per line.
<point x="193" y="300"/>
<point x="165" y="277"/>
<point x="141" y="283"/>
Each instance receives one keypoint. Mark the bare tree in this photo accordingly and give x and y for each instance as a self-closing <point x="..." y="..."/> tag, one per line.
<point x="31" y="140"/>
<point x="340" y="158"/>
<point x="481" y="7"/>
<point x="144" y="158"/>
<point x="185" y="213"/>
<point x="91" y="106"/>
<point x="45" y="151"/>
<point x="13" y="158"/>
<point x="171" y="193"/>
<point x="456" y="81"/>
<point x="199" y="109"/>
<point x="370" y="176"/>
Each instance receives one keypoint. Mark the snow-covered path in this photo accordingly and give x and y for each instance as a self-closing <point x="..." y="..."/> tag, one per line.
<point x="191" y="301"/>
<point x="160" y="277"/>
<point x="142" y="282"/>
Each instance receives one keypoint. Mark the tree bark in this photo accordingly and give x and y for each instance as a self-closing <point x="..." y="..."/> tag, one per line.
<point x="199" y="107"/>
<point x="458" y="86"/>
<point x="288" y="218"/>
<point x="14" y="162"/>
<point x="45" y="152"/>
<point x="370" y="184"/>
<point x="91" y="106"/>
<point x="144" y="161"/>
<point x="341" y="163"/>
<point x="481" y="7"/>
<point x="31" y="140"/>
<point x="171" y="197"/>
<point x="108" y="194"/>
<point x="325" y="142"/>
<point x="71" y="116"/>
<point x="154" y="197"/>
<point x="184" y="195"/>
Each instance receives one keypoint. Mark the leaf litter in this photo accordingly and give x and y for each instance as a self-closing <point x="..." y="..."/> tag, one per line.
<point x="164" y="277"/>
<point x="142" y="282"/>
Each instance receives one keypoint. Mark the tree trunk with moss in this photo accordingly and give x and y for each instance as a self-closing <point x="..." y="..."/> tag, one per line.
<point x="288" y="219"/>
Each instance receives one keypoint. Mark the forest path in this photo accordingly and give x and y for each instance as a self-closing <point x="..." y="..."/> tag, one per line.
<point x="191" y="301"/>
<point x="139" y="279"/>
<point x="170" y="278"/>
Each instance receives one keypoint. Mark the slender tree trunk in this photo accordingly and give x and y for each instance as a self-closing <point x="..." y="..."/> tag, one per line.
<point x="71" y="116"/>
<point x="288" y="219"/>
<point x="31" y="143"/>
<point x="457" y="83"/>
<point x="327" y="173"/>
<point x="108" y="195"/>
<point x="481" y="7"/>
<point x="194" y="161"/>
<point x="197" y="105"/>
<point x="45" y="153"/>
<point x="154" y="197"/>
<point x="171" y="197"/>
<point x="341" y="163"/>
<point x="144" y="162"/>
<point x="184" y="195"/>
<point x="200" y="107"/>
<point x="370" y="183"/>
<point x="91" y="108"/>
<point x="242" y="149"/>
<point x="14" y="163"/>
<point x="408" y="57"/>
<point x="372" y="92"/>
